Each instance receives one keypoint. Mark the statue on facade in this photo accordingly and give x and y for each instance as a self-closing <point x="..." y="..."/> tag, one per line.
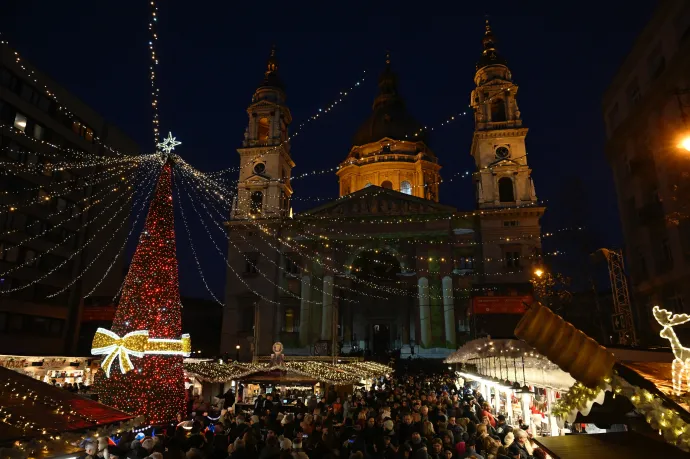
<point x="277" y="358"/>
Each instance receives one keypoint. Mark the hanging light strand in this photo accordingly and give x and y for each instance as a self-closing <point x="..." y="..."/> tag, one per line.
<point x="155" y="90"/>
<point x="73" y="254"/>
<point x="146" y="184"/>
<point x="191" y="244"/>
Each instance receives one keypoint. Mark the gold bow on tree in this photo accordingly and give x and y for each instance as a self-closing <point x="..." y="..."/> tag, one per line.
<point x="111" y="345"/>
<point x="135" y="344"/>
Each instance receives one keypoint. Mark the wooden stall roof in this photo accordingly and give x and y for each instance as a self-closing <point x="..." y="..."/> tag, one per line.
<point x="660" y="375"/>
<point x="623" y="445"/>
<point x="277" y="377"/>
<point x="42" y="405"/>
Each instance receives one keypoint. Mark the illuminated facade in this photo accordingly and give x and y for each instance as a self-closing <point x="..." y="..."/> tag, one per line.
<point x="386" y="266"/>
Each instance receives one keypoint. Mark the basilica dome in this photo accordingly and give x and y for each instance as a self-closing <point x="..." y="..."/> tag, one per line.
<point x="390" y="149"/>
<point x="389" y="117"/>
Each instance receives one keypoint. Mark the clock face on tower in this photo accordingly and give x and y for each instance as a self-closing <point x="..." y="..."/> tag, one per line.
<point x="259" y="168"/>
<point x="502" y="152"/>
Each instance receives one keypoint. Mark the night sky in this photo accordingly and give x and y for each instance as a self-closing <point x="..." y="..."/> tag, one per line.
<point x="213" y="54"/>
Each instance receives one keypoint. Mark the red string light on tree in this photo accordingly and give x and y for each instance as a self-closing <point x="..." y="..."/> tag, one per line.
<point x="154" y="386"/>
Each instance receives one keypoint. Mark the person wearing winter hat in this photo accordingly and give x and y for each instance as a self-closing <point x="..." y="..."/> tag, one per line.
<point x="286" y="444"/>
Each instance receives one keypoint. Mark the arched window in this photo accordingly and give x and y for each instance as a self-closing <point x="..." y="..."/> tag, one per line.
<point x="289" y="320"/>
<point x="387" y="185"/>
<point x="257" y="202"/>
<point x="405" y="187"/>
<point x="498" y="110"/>
<point x="284" y="201"/>
<point x="505" y="190"/>
<point x="262" y="129"/>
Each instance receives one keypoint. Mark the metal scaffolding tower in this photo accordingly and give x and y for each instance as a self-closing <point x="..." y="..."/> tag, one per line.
<point x="622" y="311"/>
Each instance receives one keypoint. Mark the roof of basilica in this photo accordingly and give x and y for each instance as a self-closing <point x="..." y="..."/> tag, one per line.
<point x="379" y="202"/>
<point x="389" y="117"/>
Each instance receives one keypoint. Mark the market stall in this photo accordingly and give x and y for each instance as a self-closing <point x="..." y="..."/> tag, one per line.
<point x="53" y="370"/>
<point x="289" y="381"/>
<point x="515" y="380"/>
<point x="655" y="393"/>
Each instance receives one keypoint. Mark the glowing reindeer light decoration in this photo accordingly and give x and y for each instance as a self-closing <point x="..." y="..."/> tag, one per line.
<point x="681" y="363"/>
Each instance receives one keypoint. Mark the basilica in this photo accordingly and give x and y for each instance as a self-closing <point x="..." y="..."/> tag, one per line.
<point x="386" y="266"/>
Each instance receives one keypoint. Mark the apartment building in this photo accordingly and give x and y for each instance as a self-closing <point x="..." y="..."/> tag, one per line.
<point x="39" y="254"/>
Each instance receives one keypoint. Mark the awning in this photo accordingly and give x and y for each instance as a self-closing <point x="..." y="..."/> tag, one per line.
<point x="503" y="358"/>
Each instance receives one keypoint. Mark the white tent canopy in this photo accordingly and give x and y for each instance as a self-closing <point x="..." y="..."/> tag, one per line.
<point x="503" y="359"/>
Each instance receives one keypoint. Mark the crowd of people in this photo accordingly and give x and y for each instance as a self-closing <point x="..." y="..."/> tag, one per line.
<point x="415" y="417"/>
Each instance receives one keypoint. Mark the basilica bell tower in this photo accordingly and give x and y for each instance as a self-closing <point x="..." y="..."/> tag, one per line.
<point x="264" y="190"/>
<point x="503" y="177"/>
<point x="510" y="214"/>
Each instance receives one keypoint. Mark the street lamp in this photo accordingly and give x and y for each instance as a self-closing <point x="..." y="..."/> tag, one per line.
<point x="539" y="272"/>
<point x="685" y="143"/>
<point x="237" y="348"/>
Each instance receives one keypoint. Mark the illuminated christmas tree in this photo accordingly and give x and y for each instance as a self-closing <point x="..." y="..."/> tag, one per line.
<point x="143" y="353"/>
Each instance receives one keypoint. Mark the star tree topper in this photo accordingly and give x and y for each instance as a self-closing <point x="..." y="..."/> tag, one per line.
<point x="168" y="144"/>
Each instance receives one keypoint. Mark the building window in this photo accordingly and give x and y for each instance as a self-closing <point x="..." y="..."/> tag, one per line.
<point x="656" y="62"/>
<point x="387" y="185"/>
<point x="289" y="320"/>
<point x="61" y="204"/>
<point x="405" y="187"/>
<point x="20" y="122"/>
<point x="7" y="79"/>
<point x="29" y="257"/>
<point x="505" y="190"/>
<point x="284" y="201"/>
<point x="498" y="111"/>
<point x="466" y="263"/>
<point x="262" y="129"/>
<point x="38" y="132"/>
<point x="82" y="131"/>
<point x="512" y="259"/>
<point x="9" y="253"/>
<point x="257" y="202"/>
<point x="511" y="223"/>
<point x="251" y="261"/>
<point x="291" y="265"/>
<point x="633" y="92"/>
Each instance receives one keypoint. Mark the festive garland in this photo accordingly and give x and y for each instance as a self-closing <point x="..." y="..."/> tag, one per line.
<point x="667" y="421"/>
<point x="340" y="374"/>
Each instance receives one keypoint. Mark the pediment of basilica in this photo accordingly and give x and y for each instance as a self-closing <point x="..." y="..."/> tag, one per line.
<point x="377" y="201"/>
